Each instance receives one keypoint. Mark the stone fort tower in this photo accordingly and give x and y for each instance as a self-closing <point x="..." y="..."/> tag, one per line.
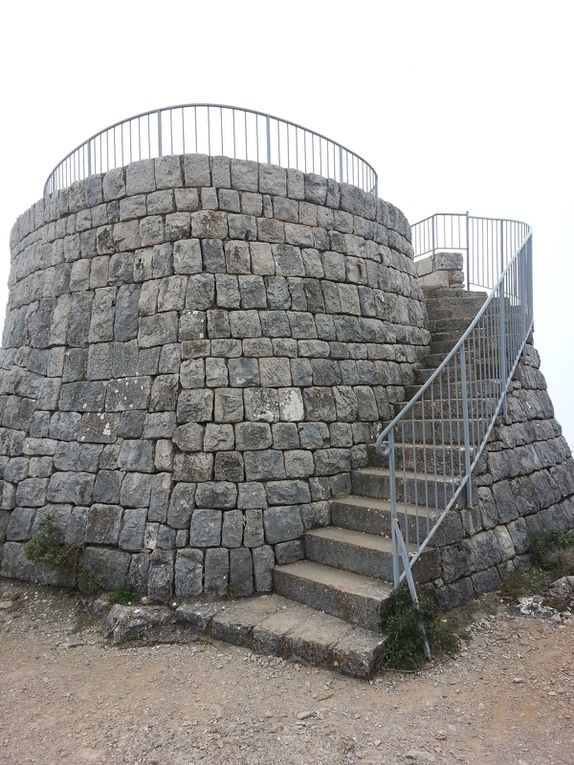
<point x="211" y="317"/>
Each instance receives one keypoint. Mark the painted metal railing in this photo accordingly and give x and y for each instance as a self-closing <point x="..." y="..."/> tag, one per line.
<point x="435" y="442"/>
<point x="487" y="244"/>
<point x="213" y="129"/>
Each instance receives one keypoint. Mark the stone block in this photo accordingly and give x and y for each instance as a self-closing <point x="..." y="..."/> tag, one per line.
<point x="232" y="531"/>
<point x="75" y="488"/>
<point x="263" y="563"/>
<point x="282" y="524"/>
<point x="253" y="534"/>
<point x="205" y="528"/>
<point x="188" y="573"/>
<point x="216" y="572"/>
<point x="104" y="523"/>
<point x="181" y="505"/>
<point x="240" y="572"/>
<point x="160" y="576"/>
<point x="133" y="527"/>
<point x="264" y="465"/>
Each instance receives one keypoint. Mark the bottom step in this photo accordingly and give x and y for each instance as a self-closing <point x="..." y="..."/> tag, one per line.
<point x="270" y="624"/>
<point x="353" y="597"/>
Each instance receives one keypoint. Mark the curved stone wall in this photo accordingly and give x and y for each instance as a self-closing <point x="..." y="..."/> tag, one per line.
<point x="195" y="355"/>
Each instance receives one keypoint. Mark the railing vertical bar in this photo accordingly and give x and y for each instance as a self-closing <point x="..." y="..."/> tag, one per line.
<point x="404" y="474"/>
<point x="415" y="473"/>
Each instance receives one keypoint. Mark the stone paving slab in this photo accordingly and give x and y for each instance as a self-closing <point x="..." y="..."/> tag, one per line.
<point x="268" y="624"/>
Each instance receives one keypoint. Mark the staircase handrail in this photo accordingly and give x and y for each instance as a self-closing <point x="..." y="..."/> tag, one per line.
<point x="492" y="343"/>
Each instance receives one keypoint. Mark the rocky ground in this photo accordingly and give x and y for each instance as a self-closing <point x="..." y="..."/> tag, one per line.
<point x="67" y="696"/>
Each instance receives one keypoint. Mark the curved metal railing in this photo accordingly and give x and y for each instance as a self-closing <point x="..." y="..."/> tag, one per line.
<point x="436" y="440"/>
<point x="213" y="129"/>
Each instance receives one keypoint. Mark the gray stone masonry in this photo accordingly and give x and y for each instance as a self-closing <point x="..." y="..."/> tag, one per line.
<point x="196" y="352"/>
<point x="524" y="484"/>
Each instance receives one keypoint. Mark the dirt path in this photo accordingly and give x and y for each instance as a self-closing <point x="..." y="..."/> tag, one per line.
<point x="67" y="697"/>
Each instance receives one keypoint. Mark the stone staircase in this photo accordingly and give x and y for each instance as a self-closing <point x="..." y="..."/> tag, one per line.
<point x="348" y="565"/>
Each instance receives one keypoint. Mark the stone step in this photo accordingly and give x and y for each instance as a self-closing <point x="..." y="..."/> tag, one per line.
<point x="271" y="624"/>
<point x="444" y="433"/>
<point x="418" y="489"/>
<point x="452" y="324"/>
<point x="489" y="388"/>
<point x="373" y="516"/>
<point x="487" y="360"/>
<point x="455" y="307"/>
<point x="444" y="342"/>
<point x="362" y="553"/>
<point x="427" y="407"/>
<point x="353" y="597"/>
<point x="426" y="458"/>
<point x="485" y="372"/>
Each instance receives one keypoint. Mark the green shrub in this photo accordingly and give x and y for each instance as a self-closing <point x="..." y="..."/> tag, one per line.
<point x="401" y="621"/>
<point x="124" y="595"/>
<point x="48" y="549"/>
<point x="553" y="551"/>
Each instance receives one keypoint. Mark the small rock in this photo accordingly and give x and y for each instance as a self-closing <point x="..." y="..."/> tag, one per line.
<point x="517" y="680"/>
<point x="418" y="755"/>
<point x="306" y="715"/>
<point x="6" y="604"/>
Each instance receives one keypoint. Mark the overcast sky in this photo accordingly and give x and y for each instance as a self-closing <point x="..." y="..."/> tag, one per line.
<point x="458" y="105"/>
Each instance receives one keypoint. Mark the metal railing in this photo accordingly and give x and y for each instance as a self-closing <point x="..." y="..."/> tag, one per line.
<point x="213" y="129"/>
<point x="434" y="443"/>
<point x="487" y="244"/>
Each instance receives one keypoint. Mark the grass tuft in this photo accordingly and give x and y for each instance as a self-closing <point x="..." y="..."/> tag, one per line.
<point x="405" y="643"/>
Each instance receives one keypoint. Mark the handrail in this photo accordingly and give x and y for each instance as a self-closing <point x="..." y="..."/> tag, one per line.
<point x="457" y="406"/>
<point x="213" y="129"/>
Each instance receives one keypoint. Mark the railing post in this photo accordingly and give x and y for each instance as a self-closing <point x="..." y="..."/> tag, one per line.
<point x="465" y="425"/>
<point x="340" y="164"/>
<point x="393" y="501"/>
<point x="268" y="128"/>
<point x="433" y="222"/>
<point x="159" y="136"/>
<point x="467" y="251"/>
<point x="89" y="158"/>
<point x="502" y="346"/>
<point x="501" y="246"/>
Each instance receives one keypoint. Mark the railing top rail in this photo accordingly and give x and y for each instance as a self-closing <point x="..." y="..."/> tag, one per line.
<point x="456" y="349"/>
<point x="367" y="168"/>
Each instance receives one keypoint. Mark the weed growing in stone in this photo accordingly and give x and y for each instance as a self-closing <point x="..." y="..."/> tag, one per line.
<point x="124" y="595"/>
<point x="401" y="622"/>
<point x="522" y="583"/>
<point x="48" y="549"/>
<point x="553" y="551"/>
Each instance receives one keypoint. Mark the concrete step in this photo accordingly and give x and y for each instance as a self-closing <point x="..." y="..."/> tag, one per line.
<point x="362" y="553"/>
<point x="418" y="489"/>
<point x="371" y="515"/>
<point x="486" y="360"/>
<point x="444" y="433"/>
<point x="444" y="342"/>
<point x="426" y="407"/>
<point x="452" y="324"/>
<point x="482" y="372"/>
<point x="455" y="307"/>
<point x="355" y="598"/>
<point x="425" y="458"/>
<point x="489" y="388"/>
<point x="271" y="624"/>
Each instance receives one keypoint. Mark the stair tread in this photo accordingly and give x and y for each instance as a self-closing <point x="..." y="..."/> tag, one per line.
<point x="400" y="473"/>
<point x="373" y="503"/>
<point x="344" y="581"/>
<point x="374" y="542"/>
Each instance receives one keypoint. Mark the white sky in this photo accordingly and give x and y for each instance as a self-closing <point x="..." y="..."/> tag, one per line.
<point x="457" y="105"/>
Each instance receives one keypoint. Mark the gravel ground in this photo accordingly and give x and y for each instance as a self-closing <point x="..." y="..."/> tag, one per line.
<point x="68" y="697"/>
